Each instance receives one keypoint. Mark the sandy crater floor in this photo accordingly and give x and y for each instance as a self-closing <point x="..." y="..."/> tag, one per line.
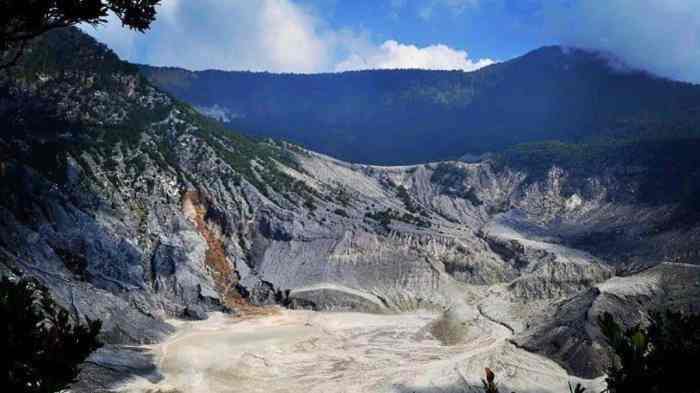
<point x="305" y="351"/>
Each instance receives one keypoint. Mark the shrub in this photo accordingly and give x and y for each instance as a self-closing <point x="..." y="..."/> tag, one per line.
<point x="658" y="359"/>
<point x="41" y="347"/>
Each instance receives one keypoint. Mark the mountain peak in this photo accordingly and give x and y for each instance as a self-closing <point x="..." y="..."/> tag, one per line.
<point x="70" y="49"/>
<point x="410" y="117"/>
<point x="569" y="56"/>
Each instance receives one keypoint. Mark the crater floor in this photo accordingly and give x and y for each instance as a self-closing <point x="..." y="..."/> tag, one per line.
<point x="305" y="351"/>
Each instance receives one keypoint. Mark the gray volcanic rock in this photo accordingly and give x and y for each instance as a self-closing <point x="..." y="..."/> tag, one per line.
<point x="110" y="365"/>
<point x="565" y="336"/>
<point x="133" y="208"/>
<point x="569" y="332"/>
<point x="335" y="298"/>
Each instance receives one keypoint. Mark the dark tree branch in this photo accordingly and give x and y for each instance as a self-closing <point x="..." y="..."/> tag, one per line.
<point x="23" y="20"/>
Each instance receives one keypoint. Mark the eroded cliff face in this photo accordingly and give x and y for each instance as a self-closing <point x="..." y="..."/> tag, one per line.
<point x="138" y="209"/>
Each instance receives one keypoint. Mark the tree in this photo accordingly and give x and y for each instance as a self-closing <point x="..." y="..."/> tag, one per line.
<point x="658" y="359"/>
<point x="41" y="347"/>
<point x="23" y="20"/>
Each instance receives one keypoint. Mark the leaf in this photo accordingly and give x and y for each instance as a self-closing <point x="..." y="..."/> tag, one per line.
<point x="639" y="340"/>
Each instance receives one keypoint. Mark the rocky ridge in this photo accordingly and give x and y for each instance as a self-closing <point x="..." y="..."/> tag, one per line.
<point x="134" y="208"/>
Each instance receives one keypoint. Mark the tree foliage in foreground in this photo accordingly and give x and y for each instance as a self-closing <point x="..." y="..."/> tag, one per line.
<point x="23" y="20"/>
<point x="660" y="358"/>
<point x="41" y="346"/>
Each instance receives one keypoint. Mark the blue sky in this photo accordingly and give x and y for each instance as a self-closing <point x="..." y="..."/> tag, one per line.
<point x="491" y="29"/>
<point x="662" y="36"/>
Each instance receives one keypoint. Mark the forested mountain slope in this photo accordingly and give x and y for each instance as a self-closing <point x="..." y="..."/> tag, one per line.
<point x="413" y="116"/>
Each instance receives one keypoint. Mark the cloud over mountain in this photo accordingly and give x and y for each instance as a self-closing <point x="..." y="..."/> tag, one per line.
<point x="271" y="35"/>
<point x="266" y="35"/>
<point x="394" y="55"/>
<point x="661" y="36"/>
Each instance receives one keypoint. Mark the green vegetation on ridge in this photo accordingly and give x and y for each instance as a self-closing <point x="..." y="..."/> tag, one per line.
<point x="415" y="116"/>
<point x="668" y="169"/>
<point x="73" y="96"/>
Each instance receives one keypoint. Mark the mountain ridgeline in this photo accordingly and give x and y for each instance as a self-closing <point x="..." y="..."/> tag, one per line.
<point x="412" y="116"/>
<point x="133" y="208"/>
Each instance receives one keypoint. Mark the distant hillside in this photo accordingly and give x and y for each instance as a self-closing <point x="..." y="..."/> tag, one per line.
<point x="399" y="117"/>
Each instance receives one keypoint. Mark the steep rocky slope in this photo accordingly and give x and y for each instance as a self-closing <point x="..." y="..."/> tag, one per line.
<point x="134" y="208"/>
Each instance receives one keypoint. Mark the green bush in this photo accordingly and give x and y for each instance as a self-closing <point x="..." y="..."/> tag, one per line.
<point x="660" y="358"/>
<point x="41" y="346"/>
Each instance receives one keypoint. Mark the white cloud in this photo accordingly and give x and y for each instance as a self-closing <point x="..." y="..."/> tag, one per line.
<point x="266" y="35"/>
<point x="394" y="55"/>
<point x="662" y="36"/>
<point x="271" y="35"/>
